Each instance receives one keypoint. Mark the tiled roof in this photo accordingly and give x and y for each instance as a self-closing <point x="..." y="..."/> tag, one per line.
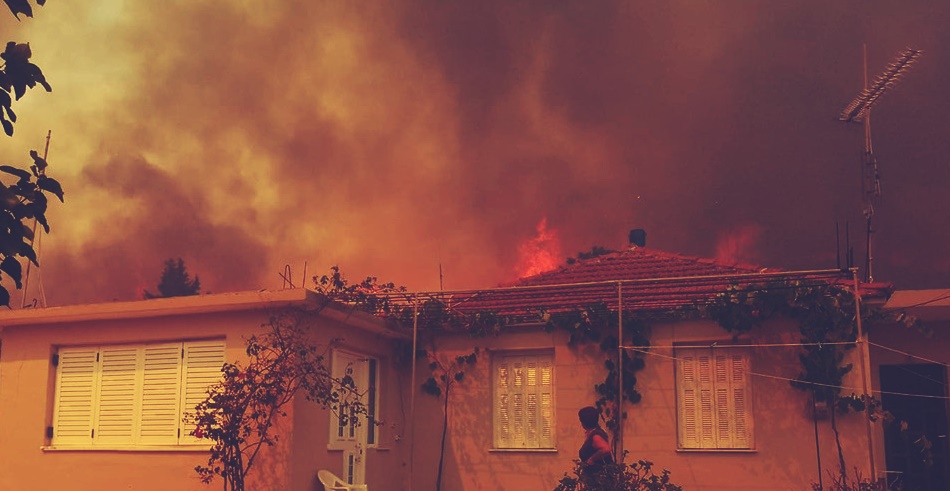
<point x="639" y="278"/>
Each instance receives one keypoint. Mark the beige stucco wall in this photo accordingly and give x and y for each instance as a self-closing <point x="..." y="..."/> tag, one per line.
<point x="784" y="457"/>
<point x="387" y="461"/>
<point x="26" y="394"/>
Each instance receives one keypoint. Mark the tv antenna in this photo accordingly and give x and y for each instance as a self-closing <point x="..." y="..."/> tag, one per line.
<point x="36" y="243"/>
<point x="859" y="111"/>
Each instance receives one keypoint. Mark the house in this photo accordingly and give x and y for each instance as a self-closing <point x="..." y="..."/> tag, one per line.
<point x="92" y="396"/>
<point x="714" y="406"/>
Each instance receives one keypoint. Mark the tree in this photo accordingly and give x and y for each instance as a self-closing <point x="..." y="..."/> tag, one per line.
<point x="24" y="200"/>
<point x="239" y="413"/>
<point x="175" y="281"/>
<point x="445" y="374"/>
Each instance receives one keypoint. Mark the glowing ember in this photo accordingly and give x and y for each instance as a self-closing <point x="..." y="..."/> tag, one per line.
<point x="540" y="253"/>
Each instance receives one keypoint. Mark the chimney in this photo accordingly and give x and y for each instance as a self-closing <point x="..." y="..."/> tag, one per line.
<point x="638" y="237"/>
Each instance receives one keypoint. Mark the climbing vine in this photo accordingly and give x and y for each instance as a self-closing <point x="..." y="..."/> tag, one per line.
<point x="596" y="324"/>
<point x="827" y="321"/>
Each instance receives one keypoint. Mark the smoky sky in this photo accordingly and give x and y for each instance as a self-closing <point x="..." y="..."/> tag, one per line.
<point x="392" y="137"/>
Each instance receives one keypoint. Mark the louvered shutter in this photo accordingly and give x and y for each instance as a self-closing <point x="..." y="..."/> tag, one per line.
<point x="546" y="394"/>
<point x="688" y="388"/>
<point x="706" y="412"/>
<point x="724" y="407"/>
<point x="502" y="414"/>
<point x="200" y="369"/>
<point x="713" y="399"/>
<point x="119" y="400"/>
<point x="161" y="394"/>
<point x="532" y="401"/>
<point x="75" y="396"/>
<point x="523" y="401"/>
<point x="741" y="398"/>
<point x="517" y="402"/>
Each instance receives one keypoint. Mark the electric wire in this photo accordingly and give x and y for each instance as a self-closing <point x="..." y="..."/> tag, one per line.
<point x="816" y="384"/>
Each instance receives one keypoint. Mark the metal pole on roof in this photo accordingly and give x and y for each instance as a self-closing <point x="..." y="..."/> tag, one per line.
<point x="619" y="435"/>
<point x="865" y="375"/>
<point x="412" y="385"/>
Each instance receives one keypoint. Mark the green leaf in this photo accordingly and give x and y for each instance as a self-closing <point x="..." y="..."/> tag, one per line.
<point x="12" y="267"/>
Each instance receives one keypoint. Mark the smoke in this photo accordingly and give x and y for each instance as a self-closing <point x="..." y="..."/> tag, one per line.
<point x="392" y="138"/>
<point x="739" y="246"/>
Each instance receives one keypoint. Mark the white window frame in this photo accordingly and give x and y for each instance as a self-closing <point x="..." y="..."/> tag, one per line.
<point x="523" y="416"/>
<point x="714" y="399"/>
<point x="365" y="370"/>
<point x="132" y="395"/>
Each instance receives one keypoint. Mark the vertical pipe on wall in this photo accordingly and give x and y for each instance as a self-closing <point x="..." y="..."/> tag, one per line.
<point x="814" y="413"/>
<point x="412" y="386"/>
<point x="865" y="375"/>
<point x="619" y="415"/>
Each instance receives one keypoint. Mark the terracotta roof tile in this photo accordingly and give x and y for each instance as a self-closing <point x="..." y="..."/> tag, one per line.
<point x="652" y="281"/>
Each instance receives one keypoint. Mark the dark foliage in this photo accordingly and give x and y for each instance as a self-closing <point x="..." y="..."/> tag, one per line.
<point x="25" y="199"/>
<point x="175" y="281"/>
<point x="637" y="476"/>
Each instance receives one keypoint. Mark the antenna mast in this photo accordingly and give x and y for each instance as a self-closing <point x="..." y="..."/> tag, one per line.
<point x="859" y="111"/>
<point x="36" y="242"/>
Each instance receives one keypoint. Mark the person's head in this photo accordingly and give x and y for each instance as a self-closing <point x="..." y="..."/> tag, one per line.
<point x="589" y="416"/>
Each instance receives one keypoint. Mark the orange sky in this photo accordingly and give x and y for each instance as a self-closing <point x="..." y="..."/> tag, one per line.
<point x="387" y="138"/>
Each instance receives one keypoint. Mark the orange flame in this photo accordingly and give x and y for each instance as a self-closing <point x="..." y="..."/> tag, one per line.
<point x="739" y="246"/>
<point x="540" y="253"/>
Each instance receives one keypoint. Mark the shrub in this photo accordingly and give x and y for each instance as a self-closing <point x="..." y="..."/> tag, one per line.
<point x="638" y="476"/>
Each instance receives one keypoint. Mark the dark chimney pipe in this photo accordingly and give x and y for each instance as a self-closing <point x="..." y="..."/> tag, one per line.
<point x="638" y="237"/>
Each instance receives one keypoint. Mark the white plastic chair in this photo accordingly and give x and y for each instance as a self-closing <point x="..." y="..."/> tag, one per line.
<point x="331" y="482"/>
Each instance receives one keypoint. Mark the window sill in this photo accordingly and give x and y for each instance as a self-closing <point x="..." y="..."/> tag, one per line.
<point x="522" y="450"/>
<point x="126" y="448"/>
<point x="716" y="450"/>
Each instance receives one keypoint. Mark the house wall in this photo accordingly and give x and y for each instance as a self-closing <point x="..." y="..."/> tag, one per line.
<point x="27" y="380"/>
<point x="386" y="462"/>
<point x="26" y="404"/>
<point x="785" y="445"/>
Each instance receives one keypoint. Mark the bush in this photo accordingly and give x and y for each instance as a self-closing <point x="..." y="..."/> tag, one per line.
<point x="637" y="476"/>
<point x="857" y="482"/>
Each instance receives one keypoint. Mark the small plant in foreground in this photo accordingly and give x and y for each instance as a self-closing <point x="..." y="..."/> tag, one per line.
<point x="637" y="476"/>
<point x="857" y="482"/>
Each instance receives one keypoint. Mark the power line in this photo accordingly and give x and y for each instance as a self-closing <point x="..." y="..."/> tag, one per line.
<point x="816" y="384"/>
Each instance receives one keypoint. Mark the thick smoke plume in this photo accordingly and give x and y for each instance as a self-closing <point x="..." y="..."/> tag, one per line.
<point x="392" y="137"/>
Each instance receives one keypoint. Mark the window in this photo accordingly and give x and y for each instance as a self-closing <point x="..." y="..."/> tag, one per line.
<point x="523" y="400"/>
<point x="713" y="399"/>
<point x="132" y="395"/>
<point x="363" y="372"/>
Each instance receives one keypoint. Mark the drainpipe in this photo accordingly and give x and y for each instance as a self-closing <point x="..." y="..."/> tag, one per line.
<point x="865" y="374"/>
<point x="412" y="386"/>
<point x="620" y="371"/>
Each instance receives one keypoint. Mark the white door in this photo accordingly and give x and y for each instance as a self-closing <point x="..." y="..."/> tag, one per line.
<point x="353" y="434"/>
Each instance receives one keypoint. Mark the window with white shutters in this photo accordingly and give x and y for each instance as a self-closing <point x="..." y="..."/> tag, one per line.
<point x="713" y="399"/>
<point x="523" y="401"/>
<point x="132" y="395"/>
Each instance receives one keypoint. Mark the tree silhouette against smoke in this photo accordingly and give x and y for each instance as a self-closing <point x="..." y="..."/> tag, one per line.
<point x="175" y="281"/>
<point x="26" y="199"/>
